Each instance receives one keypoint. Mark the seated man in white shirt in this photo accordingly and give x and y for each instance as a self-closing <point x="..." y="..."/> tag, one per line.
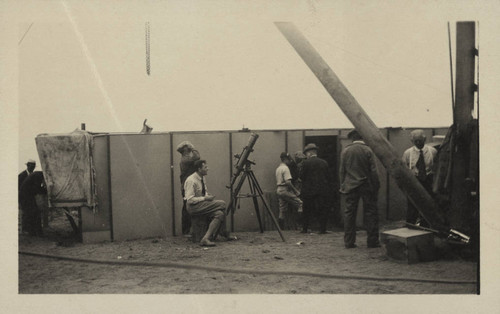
<point x="200" y="202"/>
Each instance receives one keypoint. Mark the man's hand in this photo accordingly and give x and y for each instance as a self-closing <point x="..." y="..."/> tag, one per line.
<point x="209" y="197"/>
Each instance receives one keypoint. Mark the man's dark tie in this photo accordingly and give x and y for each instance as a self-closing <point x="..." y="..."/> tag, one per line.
<point x="203" y="191"/>
<point x="422" y="172"/>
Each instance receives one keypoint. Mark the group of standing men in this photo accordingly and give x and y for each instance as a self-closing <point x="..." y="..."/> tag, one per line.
<point x="313" y="178"/>
<point x="358" y="179"/>
<point x="305" y="182"/>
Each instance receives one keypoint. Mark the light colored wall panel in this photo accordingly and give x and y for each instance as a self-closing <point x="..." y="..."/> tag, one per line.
<point x="321" y="132"/>
<point x="141" y="188"/>
<point x="295" y="141"/>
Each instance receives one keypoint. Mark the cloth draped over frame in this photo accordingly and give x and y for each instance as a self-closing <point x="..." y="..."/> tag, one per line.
<point x="68" y="168"/>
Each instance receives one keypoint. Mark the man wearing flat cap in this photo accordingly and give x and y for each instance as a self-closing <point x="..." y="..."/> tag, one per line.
<point x="189" y="156"/>
<point x="420" y="160"/>
<point x="359" y="179"/>
<point x="315" y="177"/>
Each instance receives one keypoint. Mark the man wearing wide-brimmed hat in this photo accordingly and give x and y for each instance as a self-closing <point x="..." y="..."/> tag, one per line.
<point x="189" y="156"/>
<point x="359" y="179"/>
<point x="315" y="177"/>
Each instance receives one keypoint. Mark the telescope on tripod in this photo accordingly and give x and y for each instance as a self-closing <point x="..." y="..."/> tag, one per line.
<point x="244" y="171"/>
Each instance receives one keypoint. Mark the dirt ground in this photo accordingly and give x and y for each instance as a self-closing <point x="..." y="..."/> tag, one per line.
<point x="322" y="255"/>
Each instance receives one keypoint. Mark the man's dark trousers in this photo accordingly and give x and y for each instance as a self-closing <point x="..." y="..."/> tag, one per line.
<point x="370" y="217"/>
<point x="186" y="218"/>
<point x="316" y="205"/>
<point x="412" y="214"/>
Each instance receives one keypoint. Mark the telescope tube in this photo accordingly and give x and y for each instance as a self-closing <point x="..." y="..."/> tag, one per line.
<point x="243" y="157"/>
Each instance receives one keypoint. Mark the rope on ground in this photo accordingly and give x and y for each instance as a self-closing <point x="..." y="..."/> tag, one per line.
<point x="245" y="271"/>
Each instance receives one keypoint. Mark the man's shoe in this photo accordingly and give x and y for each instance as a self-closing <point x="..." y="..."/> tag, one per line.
<point x="351" y="246"/>
<point x="207" y="243"/>
<point x="372" y="246"/>
<point x="324" y="232"/>
<point x="229" y="238"/>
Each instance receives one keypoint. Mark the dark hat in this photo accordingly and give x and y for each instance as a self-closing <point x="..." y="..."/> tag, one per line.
<point x="353" y="133"/>
<point x="309" y="147"/>
<point x="284" y="155"/>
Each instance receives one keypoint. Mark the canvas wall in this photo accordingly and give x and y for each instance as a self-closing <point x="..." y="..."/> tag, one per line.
<point x="138" y="185"/>
<point x="141" y="186"/>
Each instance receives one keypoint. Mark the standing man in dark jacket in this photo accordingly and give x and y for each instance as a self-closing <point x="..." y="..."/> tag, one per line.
<point x="359" y="179"/>
<point x="315" y="182"/>
<point x="30" y="167"/>
<point x="34" y="184"/>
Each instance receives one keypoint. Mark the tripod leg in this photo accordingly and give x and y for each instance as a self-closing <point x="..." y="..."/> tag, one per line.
<point x="234" y="195"/>
<point x="259" y="191"/>
<point x="256" y="203"/>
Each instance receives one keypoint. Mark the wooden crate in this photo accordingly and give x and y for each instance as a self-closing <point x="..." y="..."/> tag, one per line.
<point x="408" y="245"/>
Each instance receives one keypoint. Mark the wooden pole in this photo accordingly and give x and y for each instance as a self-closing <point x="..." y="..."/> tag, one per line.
<point x="464" y="105"/>
<point x="372" y="136"/>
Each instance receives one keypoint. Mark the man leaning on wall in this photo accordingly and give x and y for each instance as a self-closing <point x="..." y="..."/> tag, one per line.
<point x="189" y="156"/>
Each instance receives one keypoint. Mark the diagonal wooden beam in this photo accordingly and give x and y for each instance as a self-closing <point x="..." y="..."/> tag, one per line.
<point x="372" y="136"/>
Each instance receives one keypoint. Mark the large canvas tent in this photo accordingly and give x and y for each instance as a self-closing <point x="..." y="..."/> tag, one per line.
<point x="137" y="182"/>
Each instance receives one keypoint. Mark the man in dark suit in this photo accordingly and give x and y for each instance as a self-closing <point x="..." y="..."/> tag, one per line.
<point x="316" y="180"/>
<point x="30" y="166"/>
<point x="34" y="184"/>
<point x="359" y="179"/>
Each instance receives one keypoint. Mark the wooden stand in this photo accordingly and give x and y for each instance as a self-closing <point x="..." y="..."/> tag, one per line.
<point x="199" y="226"/>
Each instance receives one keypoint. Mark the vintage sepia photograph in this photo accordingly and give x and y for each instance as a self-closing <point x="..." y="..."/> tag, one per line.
<point x="282" y="149"/>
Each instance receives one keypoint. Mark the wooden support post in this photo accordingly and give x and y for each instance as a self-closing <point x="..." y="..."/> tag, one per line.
<point x="464" y="105"/>
<point x="365" y="126"/>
